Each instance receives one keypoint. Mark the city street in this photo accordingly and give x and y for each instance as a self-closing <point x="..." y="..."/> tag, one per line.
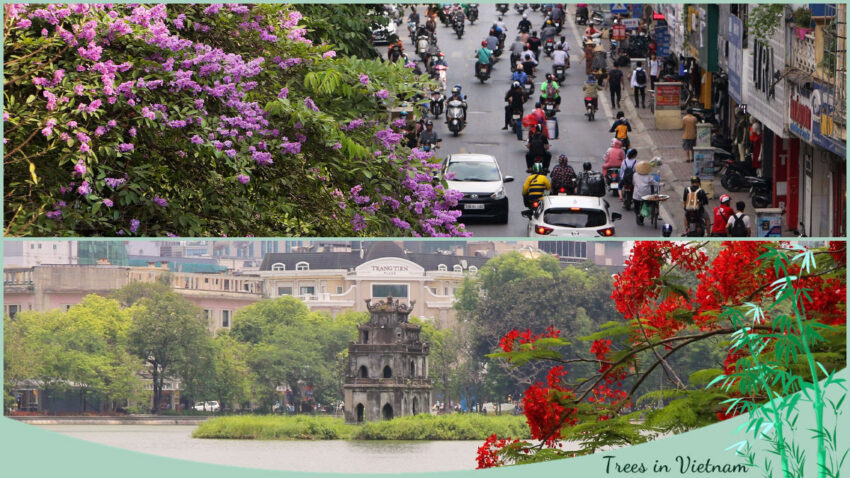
<point x="579" y="139"/>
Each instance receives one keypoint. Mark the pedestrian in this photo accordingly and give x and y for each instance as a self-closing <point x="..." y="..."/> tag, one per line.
<point x="722" y="213"/>
<point x="587" y="56"/>
<point x="638" y="82"/>
<point x="654" y="65"/>
<point x="739" y="223"/>
<point x="689" y="134"/>
<point x="616" y="80"/>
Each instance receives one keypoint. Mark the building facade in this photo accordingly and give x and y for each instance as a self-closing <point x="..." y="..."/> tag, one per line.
<point x="387" y="373"/>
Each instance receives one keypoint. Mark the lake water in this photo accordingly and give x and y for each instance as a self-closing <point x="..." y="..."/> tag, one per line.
<point x="176" y="441"/>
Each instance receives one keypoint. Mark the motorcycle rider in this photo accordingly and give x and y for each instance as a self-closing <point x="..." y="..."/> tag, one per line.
<point x="440" y="62"/>
<point x="563" y="176"/>
<point x="456" y="95"/>
<point x="458" y="16"/>
<point x="549" y="88"/>
<point x="548" y="33"/>
<point x="516" y="49"/>
<point x="414" y="16"/>
<point x="627" y="171"/>
<point x="534" y="44"/>
<point x="520" y="75"/>
<point x="429" y="137"/>
<point x="621" y="128"/>
<point x="560" y="57"/>
<point x="500" y="25"/>
<point x="591" y="89"/>
<point x="722" y="213"/>
<point x="515" y="99"/>
<point x="614" y="157"/>
<point x="395" y="52"/>
<point x="697" y="198"/>
<point x="538" y="145"/>
<point x="643" y="183"/>
<point x="535" y="186"/>
<point x="590" y="30"/>
<point x="562" y="44"/>
<point x="529" y="60"/>
<point x="557" y="13"/>
<point x="538" y="118"/>
<point x="485" y="57"/>
<point x="524" y="24"/>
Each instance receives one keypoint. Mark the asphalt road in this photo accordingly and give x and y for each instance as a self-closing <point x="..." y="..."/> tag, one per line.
<point x="579" y="139"/>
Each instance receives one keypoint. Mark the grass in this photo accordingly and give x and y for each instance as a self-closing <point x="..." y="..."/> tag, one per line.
<point x="420" y="427"/>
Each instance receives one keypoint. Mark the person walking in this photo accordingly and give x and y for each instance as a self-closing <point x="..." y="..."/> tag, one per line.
<point x="638" y="82"/>
<point x="616" y="81"/>
<point x="654" y="65"/>
<point x="689" y="134"/>
<point x="739" y="223"/>
<point x="587" y="56"/>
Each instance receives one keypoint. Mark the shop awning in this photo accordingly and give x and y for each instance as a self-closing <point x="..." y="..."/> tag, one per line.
<point x="797" y="76"/>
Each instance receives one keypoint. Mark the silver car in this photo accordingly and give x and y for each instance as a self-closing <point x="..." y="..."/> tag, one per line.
<point x="571" y="216"/>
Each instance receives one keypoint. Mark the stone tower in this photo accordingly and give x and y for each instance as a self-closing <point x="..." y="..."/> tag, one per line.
<point x="387" y="366"/>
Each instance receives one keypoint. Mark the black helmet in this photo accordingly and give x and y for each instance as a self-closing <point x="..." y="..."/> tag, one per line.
<point x="429" y="123"/>
<point x="537" y="105"/>
<point x="548" y="76"/>
<point x="666" y="230"/>
<point x="587" y="166"/>
<point x="631" y="153"/>
<point x="620" y="114"/>
<point x="695" y="180"/>
<point x="534" y="34"/>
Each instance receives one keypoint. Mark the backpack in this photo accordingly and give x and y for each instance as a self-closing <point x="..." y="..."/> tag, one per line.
<point x="640" y="77"/>
<point x="592" y="184"/>
<point x="628" y="173"/>
<point x="622" y="130"/>
<point x="738" y="229"/>
<point x="692" y="203"/>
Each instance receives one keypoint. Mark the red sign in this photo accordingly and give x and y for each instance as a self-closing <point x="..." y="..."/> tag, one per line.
<point x="667" y="95"/>
<point x="618" y="32"/>
<point x="801" y="114"/>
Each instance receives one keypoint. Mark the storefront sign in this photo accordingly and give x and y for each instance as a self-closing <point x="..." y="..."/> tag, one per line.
<point x="824" y="132"/>
<point x="704" y="163"/>
<point x="667" y="95"/>
<point x="764" y="70"/>
<point x="800" y="115"/>
<point x="631" y="23"/>
<point x="662" y="41"/>
<point x="736" y="57"/>
<point x="618" y="32"/>
<point x="389" y="267"/>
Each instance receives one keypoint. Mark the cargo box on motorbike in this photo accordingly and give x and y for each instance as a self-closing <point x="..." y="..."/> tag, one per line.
<point x="552" y="126"/>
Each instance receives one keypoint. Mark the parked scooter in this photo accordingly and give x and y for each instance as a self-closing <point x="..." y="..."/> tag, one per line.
<point x="735" y="176"/>
<point x="761" y="191"/>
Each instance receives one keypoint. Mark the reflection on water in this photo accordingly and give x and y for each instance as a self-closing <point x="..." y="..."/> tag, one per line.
<point x="337" y="456"/>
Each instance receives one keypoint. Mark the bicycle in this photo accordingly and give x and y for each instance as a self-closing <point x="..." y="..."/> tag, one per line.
<point x="654" y="201"/>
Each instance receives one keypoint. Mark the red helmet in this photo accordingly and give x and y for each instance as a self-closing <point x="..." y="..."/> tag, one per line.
<point x="483" y="42"/>
<point x="724" y="199"/>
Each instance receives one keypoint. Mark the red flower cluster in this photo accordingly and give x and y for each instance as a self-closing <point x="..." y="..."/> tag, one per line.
<point x="488" y="456"/>
<point x="838" y="251"/>
<point x="600" y="348"/>
<point x="548" y="409"/>
<point x="731" y="277"/>
<point x="508" y="341"/>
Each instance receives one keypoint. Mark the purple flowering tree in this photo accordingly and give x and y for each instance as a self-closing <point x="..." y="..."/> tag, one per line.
<point x="204" y="120"/>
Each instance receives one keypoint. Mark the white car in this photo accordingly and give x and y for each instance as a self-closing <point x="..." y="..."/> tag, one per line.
<point x="480" y="179"/>
<point x="571" y="216"/>
<point x="209" y="406"/>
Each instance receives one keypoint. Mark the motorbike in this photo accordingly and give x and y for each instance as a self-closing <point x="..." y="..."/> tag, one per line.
<point x="502" y="8"/>
<point x="735" y="176"/>
<point x="535" y="6"/>
<point x="558" y="26"/>
<point x="581" y="16"/>
<point x="422" y="45"/>
<point x="549" y="107"/>
<point x="459" y="30"/>
<point x="549" y="47"/>
<point x="472" y="13"/>
<point x="612" y="179"/>
<point x="454" y="114"/>
<point x="628" y="190"/>
<point x="760" y="191"/>
<point x="560" y="73"/>
<point x="590" y="111"/>
<point x="528" y="89"/>
<point x="481" y="72"/>
<point x="514" y="60"/>
<point x="696" y="226"/>
<point x="440" y="71"/>
<point x="446" y="17"/>
<point x="516" y="122"/>
<point x="437" y="103"/>
<point x="520" y="7"/>
<point x="597" y="17"/>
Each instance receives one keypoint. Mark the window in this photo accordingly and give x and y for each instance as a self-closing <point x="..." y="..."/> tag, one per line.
<point x="302" y="266"/>
<point x="473" y="269"/>
<point x="386" y="290"/>
<point x="339" y="289"/>
<point x="13" y="310"/>
<point x="442" y="268"/>
<point x="225" y="318"/>
<point x="457" y="268"/>
<point x="278" y="266"/>
<point x="388" y="372"/>
<point x="308" y="290"/>
<point x="364" y="372"/>
<point x="284" y="291"/>
<point x="412" y="369"/>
